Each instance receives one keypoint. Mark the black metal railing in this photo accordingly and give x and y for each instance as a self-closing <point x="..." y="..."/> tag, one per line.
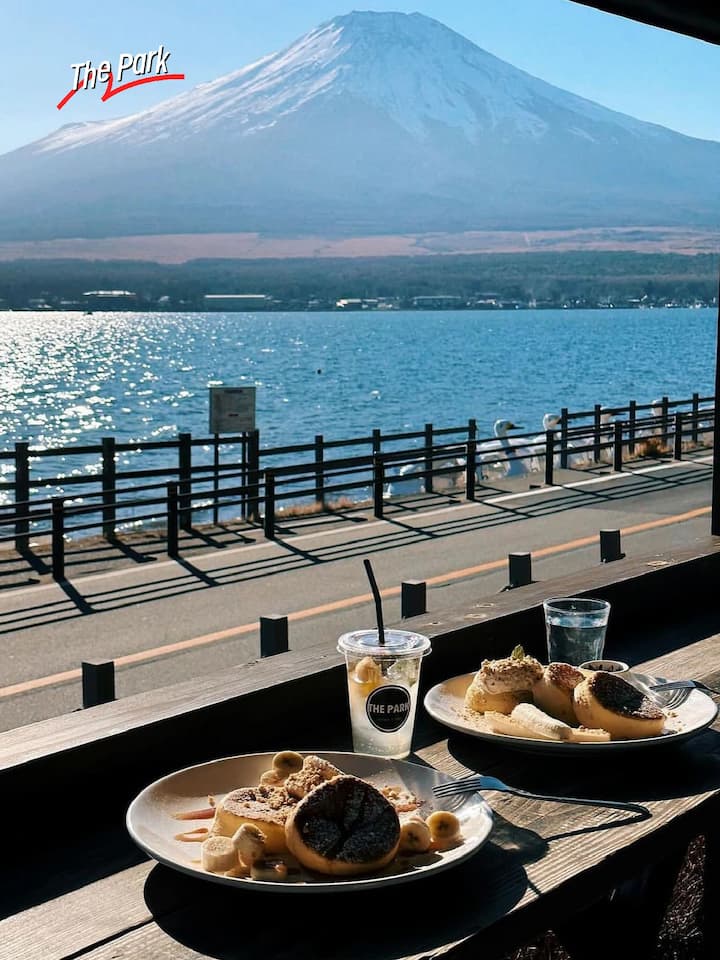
<point x="255" y="489"/>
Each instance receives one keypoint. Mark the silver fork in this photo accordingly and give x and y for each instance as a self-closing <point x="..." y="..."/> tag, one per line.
<point x="680" y="690"/>
<point x="478" y="781"/>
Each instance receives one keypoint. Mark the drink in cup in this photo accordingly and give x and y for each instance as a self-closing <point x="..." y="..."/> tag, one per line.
<point x="575" y="629"/>
<point x="383" y="683"/>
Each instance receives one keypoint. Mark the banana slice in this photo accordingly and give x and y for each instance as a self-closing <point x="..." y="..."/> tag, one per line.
<point x="218" y="855"/>
<point x="368" y="671"/>
<point x="269" y="870"/>
<point x="414" y="836"/>
<point x="249" y="842"/>
<point x="507" y="725"/>
<point x="287" y="762"/>
<point x="443" y="826"/>
<point x="587" y="735"/>
<point x="534" y="719"/>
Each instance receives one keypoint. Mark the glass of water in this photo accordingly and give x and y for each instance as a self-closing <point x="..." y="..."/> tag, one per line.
<point x="575" y="629"/>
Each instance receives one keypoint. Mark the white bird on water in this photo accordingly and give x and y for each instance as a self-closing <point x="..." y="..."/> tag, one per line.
<point x="499" y="455"/>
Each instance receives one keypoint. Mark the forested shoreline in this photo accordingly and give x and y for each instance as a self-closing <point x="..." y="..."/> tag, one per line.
<point x="580" y="279"/>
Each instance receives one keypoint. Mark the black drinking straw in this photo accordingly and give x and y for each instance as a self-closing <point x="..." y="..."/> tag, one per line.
<point x="378" y="602"/>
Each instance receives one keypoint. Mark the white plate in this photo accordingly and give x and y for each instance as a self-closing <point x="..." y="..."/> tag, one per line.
<point x="445" y="703"/>
<point x="152" y="826"/>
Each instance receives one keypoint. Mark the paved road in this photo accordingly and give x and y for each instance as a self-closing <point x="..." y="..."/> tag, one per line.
<point x="165" y="621"/>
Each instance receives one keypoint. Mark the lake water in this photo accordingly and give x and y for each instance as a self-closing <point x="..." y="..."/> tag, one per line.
<point x="67" y="378"/>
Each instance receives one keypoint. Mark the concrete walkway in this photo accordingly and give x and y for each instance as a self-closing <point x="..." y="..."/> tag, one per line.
<point x="163" y="620"/>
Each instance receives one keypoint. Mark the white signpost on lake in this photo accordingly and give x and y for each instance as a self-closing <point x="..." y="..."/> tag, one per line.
<point x="232" y="410"/>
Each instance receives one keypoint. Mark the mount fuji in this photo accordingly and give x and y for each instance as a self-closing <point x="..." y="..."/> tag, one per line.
<point x="372" y="123"/>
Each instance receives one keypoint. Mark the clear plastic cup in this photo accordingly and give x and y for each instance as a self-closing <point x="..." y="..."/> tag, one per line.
<point x="575" y="629"/>
<point x="383" y="689"/>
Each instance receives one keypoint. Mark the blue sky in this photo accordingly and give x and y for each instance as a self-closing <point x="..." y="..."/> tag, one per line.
<point x="649" y="73"/>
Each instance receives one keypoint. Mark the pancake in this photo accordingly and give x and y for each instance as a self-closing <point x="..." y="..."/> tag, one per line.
<point x="343" y="827"/>
<point x="607" y="701"/>
<point x="265" y="807"/>
<point x="477" y="697"/>
<point x="553" y="693"/>
<point x="511" y="674"/>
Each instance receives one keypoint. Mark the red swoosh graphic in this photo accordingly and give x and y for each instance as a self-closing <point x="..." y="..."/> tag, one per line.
<point x="70" y="94"/>
<point x="111" y="91"/>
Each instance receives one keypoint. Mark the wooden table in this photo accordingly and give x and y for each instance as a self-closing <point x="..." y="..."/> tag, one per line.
<point x="86" y="891"/>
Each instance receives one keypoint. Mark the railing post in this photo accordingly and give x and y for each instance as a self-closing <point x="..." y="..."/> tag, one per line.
<point x="378" y="484"/>
<point x="216" y="481"/>
<point x="610" y="546"/>
<point x="470" y="467"/>
<point x="173" y="546"/>
<point x="269" y="523"/>
<point x="109" y="481"/>
<point x="695" y="417"/>
<point x="519" y="570"/>
<point x="376" y="442"/>
<point x="472" y="429"/>
<point x="22" y="494"/>
<point x="549" y="457"/>
<point x="319" y="469"/>
<point x="429" y="462"/>
<point x="413" y="598"/>
<point x="632" y="417"/>
<point x="185" y="479"/>
<point x="564" y="438"/>
<point x="58" y="538"/>
<point x="98" y="682"/>
<point x="253" y="475"/>
<point x="665" y="403"/>
<point x="597" y="416"/>
<point x="617" y="446"/>
<point x="678" y="438"/>
<point x="273" y="635"/>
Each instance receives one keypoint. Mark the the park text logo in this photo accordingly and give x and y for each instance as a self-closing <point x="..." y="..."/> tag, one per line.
<point x="147" y="67"/>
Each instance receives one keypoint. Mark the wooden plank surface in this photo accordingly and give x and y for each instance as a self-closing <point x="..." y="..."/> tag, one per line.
<point x="543" y="861"/>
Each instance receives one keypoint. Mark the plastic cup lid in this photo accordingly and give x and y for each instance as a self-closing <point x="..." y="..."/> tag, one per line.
<point x="398" y="643"/>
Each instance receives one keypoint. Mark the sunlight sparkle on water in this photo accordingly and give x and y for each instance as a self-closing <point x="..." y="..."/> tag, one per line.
<point x="67" y="377"/>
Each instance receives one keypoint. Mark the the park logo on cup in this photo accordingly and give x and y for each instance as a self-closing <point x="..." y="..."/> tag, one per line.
<point x="388" y="707"/>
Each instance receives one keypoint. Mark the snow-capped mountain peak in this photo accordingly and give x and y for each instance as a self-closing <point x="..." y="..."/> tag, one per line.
<point x="387" y="122"/>
<point x="419" y="72"/>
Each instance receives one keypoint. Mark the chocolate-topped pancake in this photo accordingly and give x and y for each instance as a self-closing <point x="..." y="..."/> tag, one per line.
<point x="608" y="701"/>
<point x="343" y="827"/>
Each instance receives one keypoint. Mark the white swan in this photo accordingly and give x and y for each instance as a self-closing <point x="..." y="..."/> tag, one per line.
<point x="656" y="411"/>
<point x="538" y="444"/>
<point x="441" y="484"/>
<point x="454" y="480"/>
<point x="607" y="454"/>
<point x="398" y="485"/>
<point x="497" y="456"/>
<point x="552" y="421"/>
<point x="705" y="427"/>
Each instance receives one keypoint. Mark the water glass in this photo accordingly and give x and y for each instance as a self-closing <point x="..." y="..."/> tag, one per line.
<point x="575" y="629"/>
